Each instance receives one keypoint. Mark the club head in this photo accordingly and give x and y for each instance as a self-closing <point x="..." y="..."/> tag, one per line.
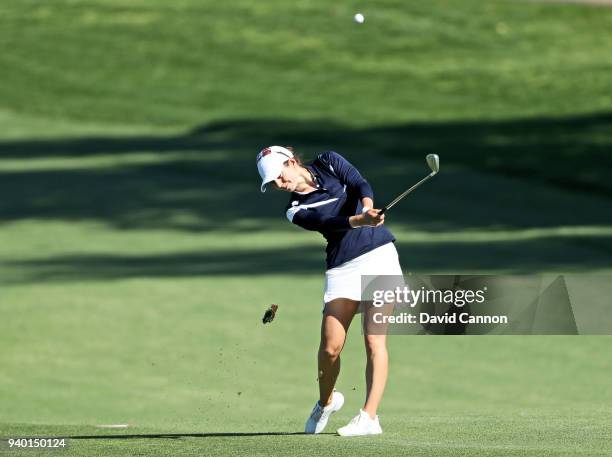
<point x="434" y="162"/>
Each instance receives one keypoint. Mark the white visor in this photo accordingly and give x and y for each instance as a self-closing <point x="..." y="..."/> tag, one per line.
<point x="270" y="162"/>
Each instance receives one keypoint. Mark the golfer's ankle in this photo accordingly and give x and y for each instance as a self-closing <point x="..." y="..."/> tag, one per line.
<point x="371" y="412"/>
<point x="325" y="403"/>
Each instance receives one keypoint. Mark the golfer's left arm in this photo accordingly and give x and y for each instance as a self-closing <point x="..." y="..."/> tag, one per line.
<point x="352" y="178"/>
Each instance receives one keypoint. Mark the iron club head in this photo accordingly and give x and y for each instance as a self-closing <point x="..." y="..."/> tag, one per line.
<point x="434" y="162"/>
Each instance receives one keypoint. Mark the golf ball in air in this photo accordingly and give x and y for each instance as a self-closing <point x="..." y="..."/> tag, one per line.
<point x="359" y="18"/>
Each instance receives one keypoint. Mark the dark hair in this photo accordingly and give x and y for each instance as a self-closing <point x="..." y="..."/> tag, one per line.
<point x="296" y="156"/>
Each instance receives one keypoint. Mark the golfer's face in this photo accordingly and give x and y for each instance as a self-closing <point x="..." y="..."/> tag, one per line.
<point x="287" y="180"/>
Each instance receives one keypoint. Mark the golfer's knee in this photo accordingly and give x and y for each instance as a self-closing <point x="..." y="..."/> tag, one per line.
<point x="376" y="344"/>
<point x="330" y="350"/>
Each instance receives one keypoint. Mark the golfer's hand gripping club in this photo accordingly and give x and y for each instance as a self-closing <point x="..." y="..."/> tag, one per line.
<point x="370" y="218"/>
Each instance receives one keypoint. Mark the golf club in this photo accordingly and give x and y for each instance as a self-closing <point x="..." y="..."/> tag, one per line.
<point x="434" y="164"/>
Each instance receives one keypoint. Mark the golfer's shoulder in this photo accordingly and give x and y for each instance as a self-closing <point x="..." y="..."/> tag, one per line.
<point x="329" y="157"/>
<point x="330" y="160"/>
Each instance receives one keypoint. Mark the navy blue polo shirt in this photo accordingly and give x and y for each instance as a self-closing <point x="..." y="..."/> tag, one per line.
<point x="327" y="209"/>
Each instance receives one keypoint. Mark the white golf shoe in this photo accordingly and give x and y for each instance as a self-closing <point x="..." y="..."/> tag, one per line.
<point x="319" y="415"/>
<point x="361" y="424"/>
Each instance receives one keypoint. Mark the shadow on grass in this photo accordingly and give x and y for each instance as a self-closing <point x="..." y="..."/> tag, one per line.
<point x="494" y="176"/>
<point x="572" y="152"/>
<point x="217" y="170"/>
<point x="523" y="256"/>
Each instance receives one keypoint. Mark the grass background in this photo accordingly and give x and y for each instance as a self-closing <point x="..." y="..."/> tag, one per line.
<point x="138" y="256"/>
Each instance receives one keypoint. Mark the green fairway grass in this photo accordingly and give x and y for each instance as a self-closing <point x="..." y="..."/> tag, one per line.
<point x="138" y="255"/>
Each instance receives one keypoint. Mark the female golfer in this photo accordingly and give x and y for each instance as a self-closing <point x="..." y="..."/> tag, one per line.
<point x="330" y="196"/>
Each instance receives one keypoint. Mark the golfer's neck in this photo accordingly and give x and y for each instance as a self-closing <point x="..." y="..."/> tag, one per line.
<point x="308" y="183"/>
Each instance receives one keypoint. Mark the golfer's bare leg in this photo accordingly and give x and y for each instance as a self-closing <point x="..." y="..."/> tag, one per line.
<point x="377" y="367"/>
<point x="337" y="318"/>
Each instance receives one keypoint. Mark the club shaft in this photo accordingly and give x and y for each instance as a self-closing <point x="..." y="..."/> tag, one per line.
<point x="403" y="194"/>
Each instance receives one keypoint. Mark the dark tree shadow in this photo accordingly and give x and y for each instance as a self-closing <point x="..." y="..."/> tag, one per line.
<point x="544" y="253"/>
<point x="213" y="167"/>
<point x="571" y="152"/>
<point x="497" y="175"/>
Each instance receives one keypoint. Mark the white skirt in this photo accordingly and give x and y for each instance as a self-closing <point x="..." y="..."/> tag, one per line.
<point x="344" y="281"/>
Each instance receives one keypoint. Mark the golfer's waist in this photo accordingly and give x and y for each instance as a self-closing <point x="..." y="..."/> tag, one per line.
<point x="339" y="258"/>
